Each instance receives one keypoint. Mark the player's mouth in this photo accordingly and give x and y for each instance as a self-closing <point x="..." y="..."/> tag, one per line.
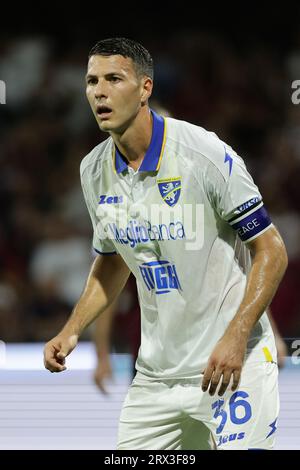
<point x="103" y="111"/>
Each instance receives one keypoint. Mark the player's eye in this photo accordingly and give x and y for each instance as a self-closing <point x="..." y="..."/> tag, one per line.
<point x="114" y="79"/>
<point x="91" y="81"/>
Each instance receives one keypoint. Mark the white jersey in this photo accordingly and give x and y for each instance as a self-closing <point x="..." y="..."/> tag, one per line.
<point x="181" y="223"/>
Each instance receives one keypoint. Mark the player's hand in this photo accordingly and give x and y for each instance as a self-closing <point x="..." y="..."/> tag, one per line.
<point x="56" y="351"/>
<point x="225" y="363"/>
<point x="102" y="372"/>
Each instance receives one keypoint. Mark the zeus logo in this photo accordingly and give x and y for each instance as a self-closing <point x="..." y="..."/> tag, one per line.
<point x="230" y="438"/>
<point x="103" y="199"/>
<point x="160" y="276"/>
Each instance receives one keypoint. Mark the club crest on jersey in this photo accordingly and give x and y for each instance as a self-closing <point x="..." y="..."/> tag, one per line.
<point x="170" y="189"/>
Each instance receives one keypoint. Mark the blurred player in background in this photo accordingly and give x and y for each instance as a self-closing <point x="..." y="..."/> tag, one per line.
<point x="206" y="269"/>
<point x="118" y="325"/>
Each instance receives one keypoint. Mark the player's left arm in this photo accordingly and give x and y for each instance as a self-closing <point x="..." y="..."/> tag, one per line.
<point x="269" y="262"/>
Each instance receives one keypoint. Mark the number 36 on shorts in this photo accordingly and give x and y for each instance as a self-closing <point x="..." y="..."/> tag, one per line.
<point x="239" y="410"/>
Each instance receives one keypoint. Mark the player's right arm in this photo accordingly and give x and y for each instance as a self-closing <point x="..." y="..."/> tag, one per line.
<point x="106" y="280"/>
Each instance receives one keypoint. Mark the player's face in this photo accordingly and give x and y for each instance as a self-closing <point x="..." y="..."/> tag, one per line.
<point x="115" y="92"/>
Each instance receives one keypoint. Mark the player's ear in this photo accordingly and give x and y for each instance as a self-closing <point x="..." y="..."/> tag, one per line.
<point x="147" y="86"/>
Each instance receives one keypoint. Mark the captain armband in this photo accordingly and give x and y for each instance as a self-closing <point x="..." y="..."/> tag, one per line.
<point x="252" y="222"/>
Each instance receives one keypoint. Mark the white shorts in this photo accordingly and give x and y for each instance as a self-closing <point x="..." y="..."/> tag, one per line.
<point x="177" y="415"/>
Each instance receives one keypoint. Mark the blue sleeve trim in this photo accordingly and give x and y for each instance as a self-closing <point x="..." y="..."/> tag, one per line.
<point x="105" y="253"/>
<point x="253" y="224"/>
<point x="246" y="207"/>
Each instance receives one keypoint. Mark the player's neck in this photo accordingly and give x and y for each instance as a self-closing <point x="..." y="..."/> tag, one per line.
<point x="134" y="142"/>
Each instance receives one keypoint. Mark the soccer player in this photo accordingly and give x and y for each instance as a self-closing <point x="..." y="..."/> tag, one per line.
<point x="173" y="204"/>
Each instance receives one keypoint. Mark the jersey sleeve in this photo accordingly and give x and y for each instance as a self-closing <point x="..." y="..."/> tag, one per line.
<point x="101" y="243"/>
<point x="235" y="196"/>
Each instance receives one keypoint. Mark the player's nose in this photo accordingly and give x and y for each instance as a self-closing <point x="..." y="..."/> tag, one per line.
<point x="100" y="90"/>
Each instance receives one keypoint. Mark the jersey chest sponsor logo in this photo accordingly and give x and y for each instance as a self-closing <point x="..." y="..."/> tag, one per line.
<point x="160" y="276"/>
<point x="170" y="190"/>
<point x="135" y="232"/>
<point x="104" y="199"/>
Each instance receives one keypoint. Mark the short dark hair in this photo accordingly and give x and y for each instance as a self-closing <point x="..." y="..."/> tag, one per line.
<point x="127" y="48"/>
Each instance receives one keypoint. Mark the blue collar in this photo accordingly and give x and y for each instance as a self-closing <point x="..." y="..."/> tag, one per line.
<point x="153" y="156"/>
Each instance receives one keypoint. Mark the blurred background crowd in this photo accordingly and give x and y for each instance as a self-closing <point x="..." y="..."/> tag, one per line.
<point x="238" y="88"/>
